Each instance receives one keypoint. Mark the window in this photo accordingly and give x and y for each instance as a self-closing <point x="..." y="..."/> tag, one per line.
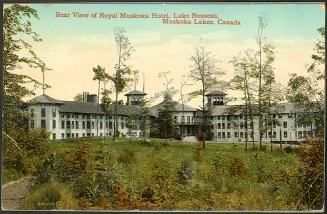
<point x="83" y="116"/>
<point x="107" y="125"/>
<point x="235" y="134"/>
<point x="280" y="116"/>
<point x="228" y="125"/>
<point x="223" y="125"/>
<point x="32" y="124"/>
<point x="101" y="134"/>
<point x="76" y="116"/>
<point x="62" y="124"/>
<point x="241" y="117"/>
<point x="251" y="134"/>
<point x="72" y="135"/>
<point x="175" y="118"/>
<point x="32" y="112"/>
<point x="188" y="119"/>
<point x="88" y="116"/>
<point x="228" y="134"/>
<point x="223" y="117"/>
<point x="73" y="116"/>
<point x="68" y="115"/>
<point x="73" y="124"/>
<point x="53" y="124"/>
<point x="76" y="135"/>
<point x="274" y="134"/>
<point x="241" y="125"/>
<point x="53" y="136"/>
<point x="219" y="135"/>
<point x="83" y="125"/>
<point x="218" y="117"/>
<point x="54" y="112"/>
<point x="274" y="124"/>
<point x="43" y="124"/>
<point x="101" y="125"/>
<point x="76" y="124"/>
<point x="289" y="115"/>
<point x="228" y="117"/>
<point x="241" y="134"/>
<point x="101" y="117"/>
<point x="92" y="134"/>
<point x="223" y="135"/>
<point x="42" y="112"/>
<point x="285" y="124"/>
<point x="219" y="126"/>
<point x="83" y="134"/>
<point x="110" y="125"/>
<point x="68" y="124"/>
<point x="67" y="135"/>
<point x="285" y="134"/>
<point x="93" y="116"/>
<point x="92" y="125"/>
<point x="183" y="119"/>
<point x="122" y="125"/>
<point x="62" y="136"/>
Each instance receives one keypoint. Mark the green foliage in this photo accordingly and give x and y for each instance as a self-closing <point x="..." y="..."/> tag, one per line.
<point x="51" y="196"/>
<point x="78" y="98"/>
<point x="25" y="152"/>
<point x="184" y="172"/>
<point x="309" y="176"/>
<point x="127" y="158"/>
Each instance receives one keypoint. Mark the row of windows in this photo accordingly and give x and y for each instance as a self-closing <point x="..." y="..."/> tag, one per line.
<point x="43" y="112"/>
<point x="76" y="135"/>
<point x="241" y="117"/>
<point x="88" y="125"/>
<point x="88" y="116"/>
<point x="188" y="119"/>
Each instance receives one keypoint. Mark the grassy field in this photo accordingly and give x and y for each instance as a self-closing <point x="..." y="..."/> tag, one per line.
<point x="172" y="175"/>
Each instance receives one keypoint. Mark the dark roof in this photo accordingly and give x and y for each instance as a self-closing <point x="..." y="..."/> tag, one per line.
<point x="88" y="107"/>
<point x="135" y="92"/>
<point x="44" y="99"/>
<point x="178" y="107"/>
<point x="212" y="93"/>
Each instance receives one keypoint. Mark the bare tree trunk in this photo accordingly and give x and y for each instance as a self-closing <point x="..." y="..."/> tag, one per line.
<point x="204" y="119"/>
<point x="260" y="86"/>
<point x="97" y="116"/>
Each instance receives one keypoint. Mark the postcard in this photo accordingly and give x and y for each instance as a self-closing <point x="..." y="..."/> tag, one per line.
<point x="163" y="106"/>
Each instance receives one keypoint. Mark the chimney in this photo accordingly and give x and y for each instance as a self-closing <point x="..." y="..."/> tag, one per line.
<point x="92" y="98"/>
<point x="85" y="95"/>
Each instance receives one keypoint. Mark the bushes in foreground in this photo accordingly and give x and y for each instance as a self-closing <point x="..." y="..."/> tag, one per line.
<point x="227" y="179"/>
<point x="51" y="196"/>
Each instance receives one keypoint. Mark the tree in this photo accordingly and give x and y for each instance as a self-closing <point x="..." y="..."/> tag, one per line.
<point x="242" y="81"/>
<point x="78" y="98"/>
<point x="121" y="77"/>
<point x="18" y="53"/>
<point x="166" y="122"/>
<point x="106" y="104"/>
<point x="183" y="99"/>
<point x="99" y="75"/>
<point x="204" y="70"/>
<point x="261" y="26"/>
<point x="305" y="91"/>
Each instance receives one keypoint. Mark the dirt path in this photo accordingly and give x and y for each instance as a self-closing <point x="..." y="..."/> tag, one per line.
<point x="14" y="192"/>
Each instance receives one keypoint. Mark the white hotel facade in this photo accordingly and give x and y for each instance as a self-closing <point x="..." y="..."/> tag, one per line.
<point x="70" y="119"/>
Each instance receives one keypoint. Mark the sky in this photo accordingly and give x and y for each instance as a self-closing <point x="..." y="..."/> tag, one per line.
<point x="71" y="47"/>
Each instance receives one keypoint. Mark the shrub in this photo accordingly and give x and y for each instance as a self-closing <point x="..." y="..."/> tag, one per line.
<point x="50" y="196"/>
<point x="184" y="172"/>
<point x="197" y="153"/>
<point x="127" y="158"/>
<point x="236" y="167"/>
<point x="310" y="174"/>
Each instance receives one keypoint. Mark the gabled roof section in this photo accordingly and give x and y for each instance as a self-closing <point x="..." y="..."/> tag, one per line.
<point x="213" y="93"/>
<point x="44" y="99"/>
<point x="135" y="92"/>
<point x="178" y="108"/>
